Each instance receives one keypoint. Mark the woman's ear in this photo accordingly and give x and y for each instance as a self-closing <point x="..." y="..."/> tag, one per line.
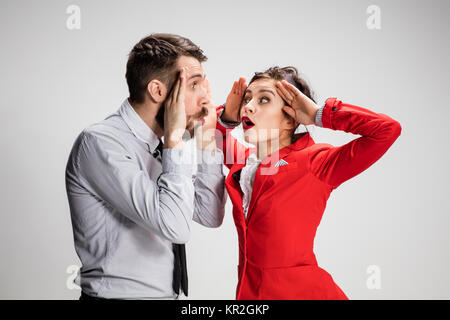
<point x="157" y="90"/>
<point x="288" y="120"/>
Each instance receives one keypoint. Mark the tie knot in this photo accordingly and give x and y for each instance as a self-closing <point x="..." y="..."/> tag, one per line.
<point x="158" y="150"/>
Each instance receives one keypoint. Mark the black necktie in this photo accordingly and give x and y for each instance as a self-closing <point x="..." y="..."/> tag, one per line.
<point x="158" y="151"/>
<point x="180" y="278"/>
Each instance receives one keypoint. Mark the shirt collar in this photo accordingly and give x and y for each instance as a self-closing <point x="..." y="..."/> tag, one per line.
<point x="252" y="158"/>
<point x="139" y="128"/>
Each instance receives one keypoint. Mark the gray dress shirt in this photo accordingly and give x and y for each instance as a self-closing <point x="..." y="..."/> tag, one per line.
<point x="127" y="207"/>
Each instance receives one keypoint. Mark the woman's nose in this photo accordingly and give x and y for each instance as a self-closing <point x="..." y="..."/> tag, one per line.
<point x="249" y="108"/>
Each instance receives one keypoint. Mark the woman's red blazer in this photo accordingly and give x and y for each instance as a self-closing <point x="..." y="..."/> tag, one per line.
<point x="276" y="258"/>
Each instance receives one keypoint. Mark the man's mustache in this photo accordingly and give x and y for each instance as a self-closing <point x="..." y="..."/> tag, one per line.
<point x="201" y="114"/>
<point x="197" y="116"/>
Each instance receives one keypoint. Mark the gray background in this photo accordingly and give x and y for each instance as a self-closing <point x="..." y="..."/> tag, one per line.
<point x="55" y="82"/>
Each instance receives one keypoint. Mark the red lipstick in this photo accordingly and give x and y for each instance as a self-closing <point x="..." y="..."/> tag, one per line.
<point x="246" y="123"/>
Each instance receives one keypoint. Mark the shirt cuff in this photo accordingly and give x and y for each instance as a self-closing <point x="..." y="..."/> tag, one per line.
<point x="223" y="123"/>
<point x="210" y="162"/>
<point x="318" y="119"/>
<point x="176" y="161"/>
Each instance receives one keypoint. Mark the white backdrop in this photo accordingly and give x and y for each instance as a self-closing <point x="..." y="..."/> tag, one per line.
<point x="57" y="79"/>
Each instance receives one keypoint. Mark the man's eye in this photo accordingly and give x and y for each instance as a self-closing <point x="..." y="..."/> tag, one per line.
<point x="264" y="100"/>
<point x="193" y="85"/>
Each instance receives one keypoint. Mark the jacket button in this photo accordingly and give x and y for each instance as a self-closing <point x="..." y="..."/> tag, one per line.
<point x="334" y="108"/>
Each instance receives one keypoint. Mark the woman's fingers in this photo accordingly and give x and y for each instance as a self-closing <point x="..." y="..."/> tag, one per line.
<point x="283" y="94"/>
<point x="290" y="88"/>
<point x="288" y="97"/>
<point x="297" y="94"/>
<point x="234" y="89"/>
<point x="287" y="93"/>
<point x="242" y="85"/>
<point x="291" y="112"/>
<point x="239" y="86"/>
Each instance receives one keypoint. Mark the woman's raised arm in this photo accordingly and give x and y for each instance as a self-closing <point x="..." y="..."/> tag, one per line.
<point x="334" y="165"/>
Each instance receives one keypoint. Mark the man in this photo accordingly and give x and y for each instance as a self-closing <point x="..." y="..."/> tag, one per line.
<point x="131" y="204"/>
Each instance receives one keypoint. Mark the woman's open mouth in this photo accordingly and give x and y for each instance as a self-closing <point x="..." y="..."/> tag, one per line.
<point x="247" y="123"/>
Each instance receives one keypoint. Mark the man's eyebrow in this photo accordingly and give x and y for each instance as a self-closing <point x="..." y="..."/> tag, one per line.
<point x="197" y="75"/>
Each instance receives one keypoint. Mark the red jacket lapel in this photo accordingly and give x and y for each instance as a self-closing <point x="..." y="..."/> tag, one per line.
<point x="267" y="168"/>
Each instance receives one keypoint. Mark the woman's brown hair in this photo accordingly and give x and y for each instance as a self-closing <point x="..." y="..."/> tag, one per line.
<point x="291" y="75"/>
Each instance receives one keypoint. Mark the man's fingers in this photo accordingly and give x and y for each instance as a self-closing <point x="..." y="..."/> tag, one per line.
<point x="169" y="99"/>
<point x="208" y="91"/>
<point x="182" y="86"/>
<point x="208" y="87"/>
<point x="175" y="90"/>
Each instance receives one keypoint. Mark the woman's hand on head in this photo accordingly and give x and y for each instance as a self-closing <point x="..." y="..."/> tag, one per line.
<point x="234" y="99"/>
<point x="301" y="108"/>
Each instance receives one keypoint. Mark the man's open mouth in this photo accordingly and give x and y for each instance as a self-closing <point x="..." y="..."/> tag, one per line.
<point x="247" y="123"/>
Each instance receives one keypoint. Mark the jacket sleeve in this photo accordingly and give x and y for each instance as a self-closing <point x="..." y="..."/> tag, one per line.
<point x="334" y="165"/>
<point x="233" y="150"/>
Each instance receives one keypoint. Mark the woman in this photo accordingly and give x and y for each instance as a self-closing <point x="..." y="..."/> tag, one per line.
<point x="279" y="190"/>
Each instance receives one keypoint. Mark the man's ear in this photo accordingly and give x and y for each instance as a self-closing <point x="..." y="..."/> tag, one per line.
<point x="157" y="90"/>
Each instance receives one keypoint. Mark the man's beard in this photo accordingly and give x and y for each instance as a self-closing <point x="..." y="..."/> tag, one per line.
<point x="190" y="120"/>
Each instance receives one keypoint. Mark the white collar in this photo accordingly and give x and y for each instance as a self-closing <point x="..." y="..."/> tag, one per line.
<point x="139" y="128"/>
<point x="252" y="159"/>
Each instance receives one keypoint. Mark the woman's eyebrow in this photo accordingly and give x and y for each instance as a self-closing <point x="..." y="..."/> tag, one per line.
<point x="267" y="90"/>
<point x="262" y="90"/>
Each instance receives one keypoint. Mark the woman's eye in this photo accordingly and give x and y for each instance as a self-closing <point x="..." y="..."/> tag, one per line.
<point x="193" y="85"/>
<point x="264" y="100"/>
<point x="246" y="100"/>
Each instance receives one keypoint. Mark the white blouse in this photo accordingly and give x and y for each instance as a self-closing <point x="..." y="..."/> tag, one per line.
<point x="247" y="178"/>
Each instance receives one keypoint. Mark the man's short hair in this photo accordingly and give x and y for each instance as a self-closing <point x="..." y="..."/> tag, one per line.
<point x="155" y="57"/>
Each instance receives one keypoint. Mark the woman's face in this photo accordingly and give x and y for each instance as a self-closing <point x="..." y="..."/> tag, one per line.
<point x="261" y="113"/>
